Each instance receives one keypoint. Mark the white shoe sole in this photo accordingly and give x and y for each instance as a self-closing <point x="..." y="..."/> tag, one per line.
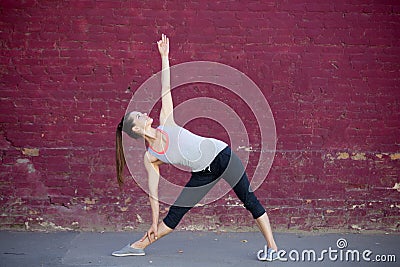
<point x="128" y="254"/>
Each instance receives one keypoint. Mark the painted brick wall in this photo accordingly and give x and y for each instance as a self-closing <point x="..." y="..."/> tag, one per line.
<point x="329" y="69"/>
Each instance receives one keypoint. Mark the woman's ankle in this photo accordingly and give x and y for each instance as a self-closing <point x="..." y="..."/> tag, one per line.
<point x="139" y="244"/>
<point x="274" y="247"/>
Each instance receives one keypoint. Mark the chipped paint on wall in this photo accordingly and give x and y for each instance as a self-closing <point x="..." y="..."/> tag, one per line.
<point x="89" y="201"/>
<point x="396" y="187"/>
<point x="395" y="156"/>
<point x="29" y="165"/>
<point x="342" y="155"/>
<point x="358" y="156"/>
<point x="246" y="148"/>
<point x="33" y="152"/>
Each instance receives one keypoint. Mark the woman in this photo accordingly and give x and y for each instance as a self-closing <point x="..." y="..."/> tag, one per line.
<point x="209" y="160"/>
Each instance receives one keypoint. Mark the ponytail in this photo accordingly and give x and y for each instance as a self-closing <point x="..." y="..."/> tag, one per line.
<point x="125" y="125"/>
<point x="119" y="156"/>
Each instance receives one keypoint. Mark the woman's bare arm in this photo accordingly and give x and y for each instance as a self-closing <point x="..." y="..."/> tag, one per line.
<point x="153" y="173"/>
<point x="166" y="114"/>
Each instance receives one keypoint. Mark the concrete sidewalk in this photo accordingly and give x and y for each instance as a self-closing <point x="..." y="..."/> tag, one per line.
<point x="191" y="249"/>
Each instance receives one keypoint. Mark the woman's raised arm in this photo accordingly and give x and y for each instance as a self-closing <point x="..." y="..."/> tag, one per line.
<point x="166" y="114"/>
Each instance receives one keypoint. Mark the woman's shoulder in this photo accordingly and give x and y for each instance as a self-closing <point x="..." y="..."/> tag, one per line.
<point x="169" y="126"/>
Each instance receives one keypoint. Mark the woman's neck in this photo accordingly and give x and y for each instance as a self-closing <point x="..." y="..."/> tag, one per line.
<point x="151" y="135"/>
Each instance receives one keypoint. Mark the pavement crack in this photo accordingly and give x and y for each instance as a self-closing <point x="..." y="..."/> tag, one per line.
<point x="14" y="253"/>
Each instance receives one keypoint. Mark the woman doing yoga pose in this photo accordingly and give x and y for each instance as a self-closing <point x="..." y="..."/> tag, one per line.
<point x="208" y="159"/>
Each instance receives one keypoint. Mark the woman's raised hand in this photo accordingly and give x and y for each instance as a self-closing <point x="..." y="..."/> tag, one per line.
<point x="163" y="46"/>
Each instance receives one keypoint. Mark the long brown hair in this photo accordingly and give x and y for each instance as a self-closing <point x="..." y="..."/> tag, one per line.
<point x="126" y="126"/>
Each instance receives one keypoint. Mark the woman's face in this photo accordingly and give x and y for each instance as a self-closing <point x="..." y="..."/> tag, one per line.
<point x="141" y="121"/>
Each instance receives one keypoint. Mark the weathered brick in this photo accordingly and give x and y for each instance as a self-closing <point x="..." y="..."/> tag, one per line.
<point x="328" y="70"/>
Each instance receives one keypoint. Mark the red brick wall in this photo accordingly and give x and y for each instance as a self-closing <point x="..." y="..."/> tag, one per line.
<point x="329" y="70"/>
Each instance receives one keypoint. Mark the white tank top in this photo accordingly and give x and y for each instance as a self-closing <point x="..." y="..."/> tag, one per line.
<point x="187" y="149"/>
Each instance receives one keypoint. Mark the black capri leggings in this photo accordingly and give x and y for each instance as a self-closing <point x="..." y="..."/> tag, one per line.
<point x="226" y="165"/>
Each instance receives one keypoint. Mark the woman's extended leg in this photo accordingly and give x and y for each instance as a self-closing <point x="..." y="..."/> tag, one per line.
<point x="237" y="178"/>
<point x="242" y="190"/>
<point x="265" y="228"/>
